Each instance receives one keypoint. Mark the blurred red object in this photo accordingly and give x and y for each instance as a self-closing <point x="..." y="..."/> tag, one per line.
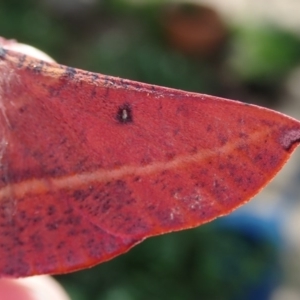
<point x="194" y="30"/>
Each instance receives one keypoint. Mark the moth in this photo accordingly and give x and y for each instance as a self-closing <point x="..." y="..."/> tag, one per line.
<point x="91" y="165"/>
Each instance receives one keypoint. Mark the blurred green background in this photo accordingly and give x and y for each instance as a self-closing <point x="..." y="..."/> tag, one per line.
<point x="186" y="46"/>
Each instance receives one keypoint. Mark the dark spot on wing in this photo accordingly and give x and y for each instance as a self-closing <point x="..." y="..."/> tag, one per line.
<point x="21" y="61"/>
<point x="124" y="114"/>
<point x="39" y="67"/>
<point x="3" y="53"/>
<point x="95" y="77"/>
<point x="123" y="83"/>
<point x="70" y="72"/>
<point x="22" y="109"/>
<point x="106" y="78"/>
<point x="51" y="210"/>
<point x="290" y="138"/>
<point x="53" y="91"/>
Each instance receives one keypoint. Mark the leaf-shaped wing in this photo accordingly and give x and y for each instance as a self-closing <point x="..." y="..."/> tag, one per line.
<point x="91" y="164"/>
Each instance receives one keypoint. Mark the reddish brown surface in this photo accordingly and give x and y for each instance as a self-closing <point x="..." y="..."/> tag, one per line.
<point x="194" y="29"/>
<point x="91" y="164"/>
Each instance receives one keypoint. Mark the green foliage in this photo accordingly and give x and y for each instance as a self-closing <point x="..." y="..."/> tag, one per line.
<point x="264" y="53"/>
<point x="138" y="58"/>
<point x="29" y="22"/>
<point x="205" y="263"/>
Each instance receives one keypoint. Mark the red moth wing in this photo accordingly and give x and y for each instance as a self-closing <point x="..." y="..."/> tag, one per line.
<point x="92" y="164"/>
